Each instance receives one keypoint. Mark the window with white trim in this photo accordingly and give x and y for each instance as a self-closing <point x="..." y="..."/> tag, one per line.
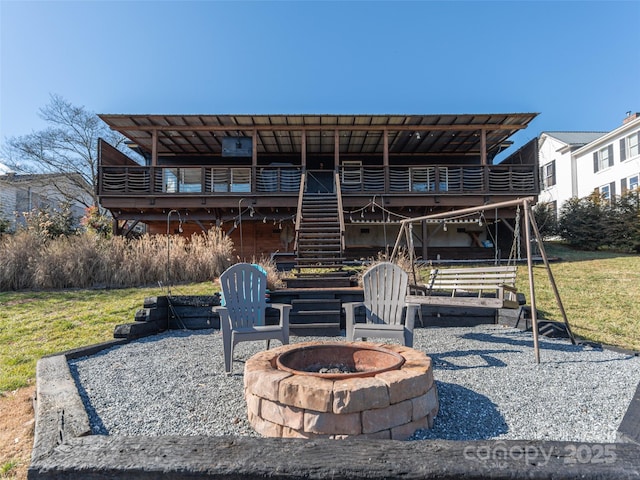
<point x="603" y="158"/>
<point x="607" y="191"/>
<point x="630" y="146"/>
<point x="632" y="182"/>
<point x="549" y="174"/>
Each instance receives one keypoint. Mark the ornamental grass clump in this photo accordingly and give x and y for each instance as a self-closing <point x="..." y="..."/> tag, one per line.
<point x="86" y="260"/>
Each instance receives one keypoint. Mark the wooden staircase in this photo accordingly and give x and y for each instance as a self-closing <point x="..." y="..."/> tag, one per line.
<point x="319" y="242"/>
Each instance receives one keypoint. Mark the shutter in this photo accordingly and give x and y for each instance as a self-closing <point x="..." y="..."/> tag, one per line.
<point x="612" y="190"/>
<point x="595" y="162"/>
<point x="623" y="152"/>
<point x="553" y="173"/>
<point x="610" y="150"/>
<point x="623" y="186"/>
<point x="541" y="178"/>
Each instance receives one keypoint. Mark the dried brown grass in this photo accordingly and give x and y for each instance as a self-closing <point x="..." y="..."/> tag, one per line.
<point x="402" y="259"/>
<point x="89" y="261"/>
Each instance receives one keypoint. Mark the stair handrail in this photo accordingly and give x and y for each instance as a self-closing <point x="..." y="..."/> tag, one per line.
<point x="303" y="181"/>
<point x="338" y="191"/>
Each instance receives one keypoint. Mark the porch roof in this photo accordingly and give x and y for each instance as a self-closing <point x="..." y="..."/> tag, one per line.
<point x="450" y="134"/>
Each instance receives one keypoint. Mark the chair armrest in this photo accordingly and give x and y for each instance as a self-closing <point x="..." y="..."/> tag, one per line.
<point x="284" y="309"/>
<point x="410" y="316"/>
<point x="350" y="317"/>
<point x="511" y="291"/>
<point x="225" y="321"/>
<point x="350" y="308"/>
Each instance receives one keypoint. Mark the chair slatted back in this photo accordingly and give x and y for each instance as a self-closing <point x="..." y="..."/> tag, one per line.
<point x="244" y="290"/>
<point x="385" y="291"/>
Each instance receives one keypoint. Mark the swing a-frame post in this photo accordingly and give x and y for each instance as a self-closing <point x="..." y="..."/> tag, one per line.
<point x="406" y="231"/>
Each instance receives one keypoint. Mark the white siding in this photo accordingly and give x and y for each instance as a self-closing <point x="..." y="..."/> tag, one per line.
<point x="7" y="202"/>
<point x="553" y="149"/>
<point x="590" y="180"/>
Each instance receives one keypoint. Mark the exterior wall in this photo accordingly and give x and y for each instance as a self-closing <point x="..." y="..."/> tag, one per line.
<point x="615" y="174"/>
<point x="7" y="203"/>
<point x="575" y="172"/>
<point x="552" y="149"/>
<point x="258" y="239"/>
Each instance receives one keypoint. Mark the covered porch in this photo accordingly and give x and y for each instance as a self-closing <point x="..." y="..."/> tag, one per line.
<point x="251" y="172"/>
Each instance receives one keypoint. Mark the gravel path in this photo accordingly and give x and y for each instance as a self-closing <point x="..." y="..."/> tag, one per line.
<point x="488" y="383"/>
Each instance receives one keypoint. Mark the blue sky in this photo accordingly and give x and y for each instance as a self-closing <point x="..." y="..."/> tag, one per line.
<point x="577" y="63"/>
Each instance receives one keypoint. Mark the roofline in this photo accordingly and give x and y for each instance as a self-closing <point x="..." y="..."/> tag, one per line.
<point x="607" y="137"/>
<point x="319" y="126"/>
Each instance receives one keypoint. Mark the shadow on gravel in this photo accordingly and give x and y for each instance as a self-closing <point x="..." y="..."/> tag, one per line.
<point x="97" y="426"/>
<point x="464" y="415"/>
<point x="517" y="342"/>
<point x="467" y="359"/>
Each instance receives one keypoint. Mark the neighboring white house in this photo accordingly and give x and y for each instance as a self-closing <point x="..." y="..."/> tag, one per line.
<point x="558" y="179"/>
<point x="23" y="193"/>
<point x="575" y="164"/>
<point x="611" y="164"/>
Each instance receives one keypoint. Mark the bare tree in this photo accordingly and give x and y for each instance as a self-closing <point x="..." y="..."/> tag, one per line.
<point x="68" y="146"/>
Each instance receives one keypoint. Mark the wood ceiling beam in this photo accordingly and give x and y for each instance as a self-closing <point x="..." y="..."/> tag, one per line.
<point x="371" y="128"/>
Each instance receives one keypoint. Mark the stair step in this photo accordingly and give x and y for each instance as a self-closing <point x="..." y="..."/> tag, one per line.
<point x="319" y="282"/>
<point x="320" y="218"/>
<point x="316" y="313"/>
<point x="319" y="236"/>
<point x="327" y="257"/>
<point x="331" y="212"/>
<point x="314" y="303"/>
<point x="321" y="226"/>
<point x="315" y="325"/>
<point x="319" y="250"/>
<point x="319" y="263"/>
<point x="331" y="276"/>
<point x="319" y="229"/>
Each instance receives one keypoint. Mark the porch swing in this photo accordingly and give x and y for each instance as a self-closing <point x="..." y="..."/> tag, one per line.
<point x="459" y="282"/>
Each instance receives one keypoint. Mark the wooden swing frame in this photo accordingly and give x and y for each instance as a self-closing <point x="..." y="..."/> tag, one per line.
<point x="406" y="231"/>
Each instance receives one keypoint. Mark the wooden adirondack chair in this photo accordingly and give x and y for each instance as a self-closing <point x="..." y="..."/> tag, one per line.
<point x="387" y="314"/>
<point x="242" y="318"/>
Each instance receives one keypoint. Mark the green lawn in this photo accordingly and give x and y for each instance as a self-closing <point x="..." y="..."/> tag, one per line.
<point x="33" y="324"/>
<point x="600" y="292"/>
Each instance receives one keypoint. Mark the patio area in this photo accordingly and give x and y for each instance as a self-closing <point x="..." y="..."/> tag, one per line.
<point x="489" y="386"/>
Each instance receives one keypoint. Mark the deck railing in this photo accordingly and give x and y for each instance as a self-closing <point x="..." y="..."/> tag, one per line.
<point x="285" y="180"/>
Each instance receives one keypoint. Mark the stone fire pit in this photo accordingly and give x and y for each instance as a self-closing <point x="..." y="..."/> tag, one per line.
<point x="388" y="391"/>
